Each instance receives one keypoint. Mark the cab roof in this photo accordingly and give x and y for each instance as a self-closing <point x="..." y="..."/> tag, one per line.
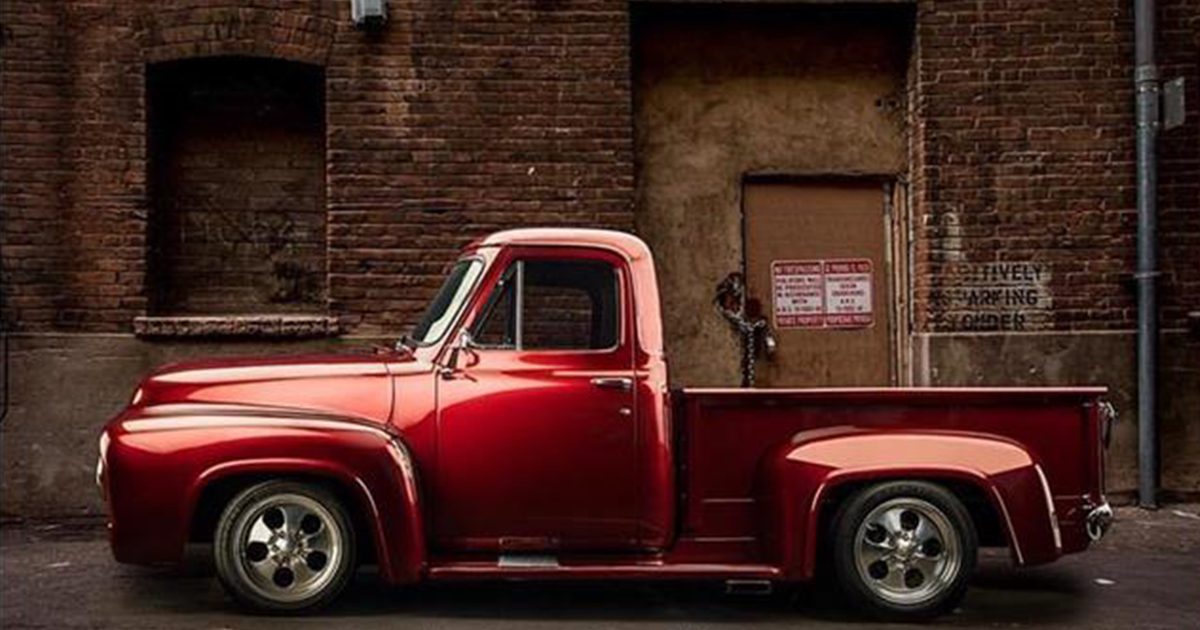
<point x="648" y="314"/>
<point x="632" y="247"/>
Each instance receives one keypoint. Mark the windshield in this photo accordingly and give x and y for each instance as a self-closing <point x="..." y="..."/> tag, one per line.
<point x="446" y="304"/>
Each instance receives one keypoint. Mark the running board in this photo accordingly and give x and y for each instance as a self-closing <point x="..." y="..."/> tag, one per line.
<point x="523" y="566"/>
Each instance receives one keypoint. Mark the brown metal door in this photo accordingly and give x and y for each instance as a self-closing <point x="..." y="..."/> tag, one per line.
<point x="816" y="269"/>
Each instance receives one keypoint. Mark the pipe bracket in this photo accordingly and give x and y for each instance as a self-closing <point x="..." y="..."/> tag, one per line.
<point x="1146" y="73"/>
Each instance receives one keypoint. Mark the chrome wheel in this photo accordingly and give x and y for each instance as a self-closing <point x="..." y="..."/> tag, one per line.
<point x="288" y="547"/>
<point x="907" y="551"/>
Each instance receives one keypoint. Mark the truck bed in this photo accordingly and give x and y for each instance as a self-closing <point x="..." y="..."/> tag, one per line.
<point x="726" y="433"/>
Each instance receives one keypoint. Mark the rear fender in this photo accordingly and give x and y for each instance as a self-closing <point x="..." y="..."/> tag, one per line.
<point x="798" y="476"/>
<point x="158" y="470"/>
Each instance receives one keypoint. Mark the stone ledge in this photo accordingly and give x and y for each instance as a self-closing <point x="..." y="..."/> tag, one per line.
<point x="246" y="326"/>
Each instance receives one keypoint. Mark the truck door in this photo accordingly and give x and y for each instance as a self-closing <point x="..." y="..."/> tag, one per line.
<point x="537" y="427"/>
<point x="816" y="269"/>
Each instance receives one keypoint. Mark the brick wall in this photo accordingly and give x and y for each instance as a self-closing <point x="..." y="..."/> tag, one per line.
<point x="72" y="195"/>
<point x="1023" y="152"/>
<point x="464" y="117"/>
<point x="458" y="119"/>
<point x="1179" y="156"/>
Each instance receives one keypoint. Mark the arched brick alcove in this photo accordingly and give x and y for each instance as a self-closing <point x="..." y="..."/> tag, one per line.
<point x="292" y="31"/>
<point x="236" y="167"/>
<point x="235" y="137"/>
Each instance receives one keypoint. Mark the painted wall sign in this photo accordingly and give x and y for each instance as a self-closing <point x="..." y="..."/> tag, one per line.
<point x="996" y="296"/>
<point x="823" y="293"/>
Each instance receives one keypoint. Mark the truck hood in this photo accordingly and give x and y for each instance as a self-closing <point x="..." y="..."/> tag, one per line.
<point x="353" y="385"/>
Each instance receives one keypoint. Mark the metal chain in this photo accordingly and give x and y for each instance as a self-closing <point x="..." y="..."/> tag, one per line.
<point x="731" y="303"/>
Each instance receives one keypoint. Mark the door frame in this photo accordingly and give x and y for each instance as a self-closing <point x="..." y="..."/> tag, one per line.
<point x="898" y="252"/>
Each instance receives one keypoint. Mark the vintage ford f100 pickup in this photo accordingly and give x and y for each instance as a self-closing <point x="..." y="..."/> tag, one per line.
<point x="526" y="428"/>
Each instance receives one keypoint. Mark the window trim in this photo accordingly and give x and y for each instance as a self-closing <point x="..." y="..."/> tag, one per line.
<point x="489" y="306"/>
<point x="461" y="312"/>
<point x="618" y="275"/>
<point x="519" y="299"/>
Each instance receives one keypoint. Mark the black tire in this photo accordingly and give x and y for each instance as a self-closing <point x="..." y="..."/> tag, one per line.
<point x="870" y="583"/>
<point x="242" y="562"/>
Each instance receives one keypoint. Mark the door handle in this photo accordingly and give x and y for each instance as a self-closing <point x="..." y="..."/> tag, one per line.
<point x="621" y="383"/>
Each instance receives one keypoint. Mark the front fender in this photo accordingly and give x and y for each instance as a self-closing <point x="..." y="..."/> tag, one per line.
<point x="796" y="477"/>
<point x="160" y="461"/>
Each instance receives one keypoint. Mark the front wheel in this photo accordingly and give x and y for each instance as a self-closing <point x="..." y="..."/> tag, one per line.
<point x="904" y="550"/>
<point x="284" y="547"/>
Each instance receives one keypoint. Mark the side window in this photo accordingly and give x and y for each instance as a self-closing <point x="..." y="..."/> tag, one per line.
<point x="498" y="328"/>
<point x="569" y="305"/>
<point x="553" y="305"/>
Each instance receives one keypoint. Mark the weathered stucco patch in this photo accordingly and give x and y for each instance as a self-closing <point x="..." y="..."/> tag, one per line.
<point x="722" y="92"/>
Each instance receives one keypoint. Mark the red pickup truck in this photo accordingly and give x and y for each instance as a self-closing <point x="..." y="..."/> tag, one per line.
<point x="525" y="428"/>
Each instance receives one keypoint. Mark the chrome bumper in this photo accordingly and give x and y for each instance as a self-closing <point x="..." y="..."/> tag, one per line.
<point x="1099" y="519"/>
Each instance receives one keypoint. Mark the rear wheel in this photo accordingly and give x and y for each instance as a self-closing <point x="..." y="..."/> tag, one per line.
<point x="284" y="547"/>
<point x="904" y="550"/>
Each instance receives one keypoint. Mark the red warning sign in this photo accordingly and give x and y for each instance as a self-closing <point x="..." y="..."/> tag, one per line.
<point x="799" y="293"/>
<point x="823" y="293"/>
<point x="848" y="294"/>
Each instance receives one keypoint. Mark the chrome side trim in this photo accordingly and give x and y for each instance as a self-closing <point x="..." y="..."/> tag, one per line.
<point x="221" y="421"/>
<point x="1050" y="508"/>
<point x="1012" y="532"/>
<point x="527" y="561"/>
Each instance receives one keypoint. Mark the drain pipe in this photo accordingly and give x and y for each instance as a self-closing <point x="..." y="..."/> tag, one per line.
<point x="1146" y="85"/>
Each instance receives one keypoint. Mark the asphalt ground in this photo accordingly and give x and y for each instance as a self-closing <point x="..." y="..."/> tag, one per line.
<point x="1145" y="574"/>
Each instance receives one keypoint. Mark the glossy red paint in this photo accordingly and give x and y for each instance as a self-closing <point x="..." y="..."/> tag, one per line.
<point x="354" y="385"/>
<point x="508" y="421"/>
<point x="754" y="445"/>
<point x="158" y="460"/>
<point x="811" y="466"/>
<point x="454" y="462"/>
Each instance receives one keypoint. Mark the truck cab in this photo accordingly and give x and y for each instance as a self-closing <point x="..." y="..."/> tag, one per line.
<point x="552" y="348"/>
<point x="527" y="428"/>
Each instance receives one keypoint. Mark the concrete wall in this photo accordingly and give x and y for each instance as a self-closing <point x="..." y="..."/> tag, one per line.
<point x="1087" y="358"/>
<point x="722" y="92"/>
<point x="64" y="387"/>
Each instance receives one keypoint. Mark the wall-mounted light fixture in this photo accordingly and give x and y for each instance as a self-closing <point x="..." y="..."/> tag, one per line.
<point x="368" y="14"/>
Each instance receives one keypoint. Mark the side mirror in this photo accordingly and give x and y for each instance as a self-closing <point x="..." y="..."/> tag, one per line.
<point x="463" y="344"/>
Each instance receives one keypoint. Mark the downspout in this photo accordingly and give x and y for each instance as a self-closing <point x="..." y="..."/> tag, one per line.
<point x="1146" y="85"/>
